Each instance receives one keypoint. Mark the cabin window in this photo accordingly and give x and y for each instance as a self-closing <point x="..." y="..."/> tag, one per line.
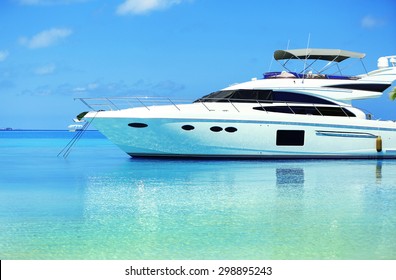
<point x="336" y="111"/>
<point x="308" y="110"/>
<point x="138" y="125"/>
<point x="261" y="95"/>
<point x="367" y="87"/>
<point x="285" y="96"/>
<point x="188" y="127"/>
<point x="275" y="109"/>
<point x="216" y="128"/>
<point x="290" y="137"/>
<point x="231" y="129"/>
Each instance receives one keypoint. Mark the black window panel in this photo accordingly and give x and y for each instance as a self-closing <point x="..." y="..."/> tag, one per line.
<point x="349" y="113"/>
<point x="367" y="87"/>
<point x="261" y="95"/>
<point x="290" y="137"/>
<point x="305" y="110"/>
<point x="244" y="96"/>
<point x="335" y="111"/>
<point x="247" y="95"/>
<point x="276" y="109"/>
<point x="284" y="96"/>
<point x="218" y="96"/>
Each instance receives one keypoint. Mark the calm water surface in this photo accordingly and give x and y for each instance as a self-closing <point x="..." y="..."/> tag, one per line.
<point x="101" y="204"/>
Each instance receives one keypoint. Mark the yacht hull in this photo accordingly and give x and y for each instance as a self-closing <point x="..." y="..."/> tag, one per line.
<point x="228" y="138"/>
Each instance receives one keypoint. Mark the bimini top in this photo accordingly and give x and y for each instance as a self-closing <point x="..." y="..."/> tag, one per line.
<point x="320" y="54"/>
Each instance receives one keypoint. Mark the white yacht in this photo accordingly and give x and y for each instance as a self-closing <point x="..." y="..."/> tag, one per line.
<point x="288" y="114"/>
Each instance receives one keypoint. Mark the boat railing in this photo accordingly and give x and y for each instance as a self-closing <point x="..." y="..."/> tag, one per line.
<point x="119" y="103"/>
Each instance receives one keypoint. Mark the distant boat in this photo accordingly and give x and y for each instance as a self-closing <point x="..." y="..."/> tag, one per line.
<point x="75" y="127"/>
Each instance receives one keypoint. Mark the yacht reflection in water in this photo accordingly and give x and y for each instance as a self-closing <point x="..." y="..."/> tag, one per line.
<point x="378" y="171"/>
<point x="290" y="177"/>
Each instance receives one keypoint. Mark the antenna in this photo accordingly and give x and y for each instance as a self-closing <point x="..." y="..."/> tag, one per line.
<point x="269" y="68"/>
<point x="309" y="38"/>
<point x="306" y="54"/>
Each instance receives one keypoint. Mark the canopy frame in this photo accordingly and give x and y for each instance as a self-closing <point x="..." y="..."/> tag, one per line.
<point x="330" y="55"/>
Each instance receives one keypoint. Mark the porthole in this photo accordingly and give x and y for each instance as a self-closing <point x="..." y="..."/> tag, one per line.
<point x="216" y="128"/>
<point x="137" y="125"/>
<point x="230" y="129"/>
<point x="188" y="127"/>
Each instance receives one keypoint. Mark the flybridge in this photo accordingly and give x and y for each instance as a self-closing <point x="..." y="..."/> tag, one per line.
<point x="314" y="58"/>
<point x="318" y="62"/>
<point x="317" y="54"/>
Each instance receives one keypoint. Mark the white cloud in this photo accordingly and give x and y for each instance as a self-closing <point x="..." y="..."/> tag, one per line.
<point x="45" y="70"/>
<point x="89" y="87"/>
<point x="101" y="89"/>
<point x="79" y="89"/>
<point x="46" y="38"/>
<point x="144" y="6"/>
<point x="3" y="55"/>
<point x="371" y="22"/>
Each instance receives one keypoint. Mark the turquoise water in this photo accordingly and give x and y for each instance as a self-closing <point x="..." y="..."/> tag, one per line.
<point x="100" y="204"/>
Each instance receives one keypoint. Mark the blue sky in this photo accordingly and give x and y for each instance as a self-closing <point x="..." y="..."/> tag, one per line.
<point x="52" y="51"/>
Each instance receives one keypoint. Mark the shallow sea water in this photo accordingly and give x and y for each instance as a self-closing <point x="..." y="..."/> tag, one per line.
<point x="101" y="204"/>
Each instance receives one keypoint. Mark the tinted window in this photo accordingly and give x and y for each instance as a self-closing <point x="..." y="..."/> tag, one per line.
<point x="276" y="109"/>
<point x="336" y="111"/>
<point x="297" y="97"/>
<point x="290" y="137"/>
<point x="254" y="95"/>
<point x="305" y="110"/>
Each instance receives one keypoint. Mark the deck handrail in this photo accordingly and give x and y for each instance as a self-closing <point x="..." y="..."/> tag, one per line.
<point x="117" y="103"/>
